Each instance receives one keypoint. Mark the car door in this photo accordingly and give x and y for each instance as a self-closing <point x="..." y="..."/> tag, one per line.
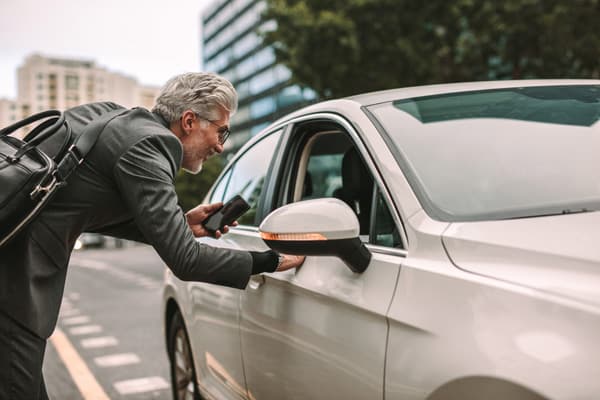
<point x="214" y="315"/>
<point x="320" y="332"/>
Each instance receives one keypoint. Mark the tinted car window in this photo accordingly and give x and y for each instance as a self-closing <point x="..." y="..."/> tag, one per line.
<point x="499" y="154"/>
<point x="385" y="232"/>
<point x="219" y="190"/>
<point x="330" y="166"/>
<point x="248" y="175"/>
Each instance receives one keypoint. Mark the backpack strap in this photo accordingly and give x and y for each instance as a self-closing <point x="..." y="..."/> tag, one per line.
<point x="84" y="143"/>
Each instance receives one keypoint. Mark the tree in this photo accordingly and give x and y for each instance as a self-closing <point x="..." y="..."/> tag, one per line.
<point x="344" y="47"/>
<point x="191" y="189"/>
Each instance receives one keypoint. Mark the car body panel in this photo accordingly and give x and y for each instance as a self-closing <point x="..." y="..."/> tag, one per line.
<point x="447" y="324"/>
<point x="213" y="328"/>
<point x="322" y="324"/>
<point x="557" y="254"/>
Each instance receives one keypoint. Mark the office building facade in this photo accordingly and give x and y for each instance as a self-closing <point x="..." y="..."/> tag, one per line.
<point x="232" y="47"/>
<point x="52" y="82"/>
<point x="10" y="112"/>
<point x="59" y="83"/>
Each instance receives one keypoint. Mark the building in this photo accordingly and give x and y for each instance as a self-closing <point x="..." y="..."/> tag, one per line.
<point x="51" y="82"/>
<point x="59" y="83"/>
<point x="10" y="112"/>
<point x="233" y="48"/>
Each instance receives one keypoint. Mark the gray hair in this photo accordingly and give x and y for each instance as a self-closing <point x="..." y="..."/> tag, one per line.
<point x="201" y="92"/>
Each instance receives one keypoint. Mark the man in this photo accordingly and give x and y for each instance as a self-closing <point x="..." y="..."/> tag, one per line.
<point x="125" y="189"/>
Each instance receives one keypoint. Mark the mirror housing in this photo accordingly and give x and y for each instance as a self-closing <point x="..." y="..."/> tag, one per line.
<point x="319" y="227"/>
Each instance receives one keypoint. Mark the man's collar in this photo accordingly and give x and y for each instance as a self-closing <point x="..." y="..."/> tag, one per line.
<point x="160" y="119"/>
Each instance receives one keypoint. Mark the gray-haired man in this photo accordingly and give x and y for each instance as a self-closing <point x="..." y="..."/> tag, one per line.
<point x="124" y="189"/>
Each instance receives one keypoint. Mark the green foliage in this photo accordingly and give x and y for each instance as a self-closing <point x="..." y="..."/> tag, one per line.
<point x="344" y="47"/>
<point x="191" y="189"/>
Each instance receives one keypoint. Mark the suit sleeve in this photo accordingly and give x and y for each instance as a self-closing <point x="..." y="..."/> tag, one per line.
<point x="144" y="175"/>
<point x="126" y="230"/>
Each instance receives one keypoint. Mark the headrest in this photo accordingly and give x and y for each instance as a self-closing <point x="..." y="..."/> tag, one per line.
<point x="355" y="176"/>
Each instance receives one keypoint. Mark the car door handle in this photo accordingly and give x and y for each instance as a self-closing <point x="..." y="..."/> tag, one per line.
<point x="256" y="282"/>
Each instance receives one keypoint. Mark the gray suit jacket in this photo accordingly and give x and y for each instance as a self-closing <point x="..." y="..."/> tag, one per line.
<point x="125" y="189"/>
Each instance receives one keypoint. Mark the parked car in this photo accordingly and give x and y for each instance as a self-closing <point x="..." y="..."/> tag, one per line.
<point x="452" y="241"/>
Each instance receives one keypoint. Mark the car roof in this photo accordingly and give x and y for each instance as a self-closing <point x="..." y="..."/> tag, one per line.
<point x="419" y="91"/>
<point x="368" y="99"/>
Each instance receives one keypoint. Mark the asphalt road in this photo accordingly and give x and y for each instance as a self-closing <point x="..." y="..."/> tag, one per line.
<point x="109" y="341"/>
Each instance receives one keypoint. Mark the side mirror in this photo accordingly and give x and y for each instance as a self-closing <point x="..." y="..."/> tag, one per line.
<point x="319" y="227"/>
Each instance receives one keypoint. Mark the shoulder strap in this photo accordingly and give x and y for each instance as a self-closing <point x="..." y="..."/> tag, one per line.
<point x="84" y="143"/>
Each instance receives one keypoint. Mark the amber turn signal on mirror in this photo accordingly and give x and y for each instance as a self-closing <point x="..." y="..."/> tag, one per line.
<point x="292" y="236"/>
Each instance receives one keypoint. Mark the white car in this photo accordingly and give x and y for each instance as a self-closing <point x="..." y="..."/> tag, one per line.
<point x="452" y="234"/>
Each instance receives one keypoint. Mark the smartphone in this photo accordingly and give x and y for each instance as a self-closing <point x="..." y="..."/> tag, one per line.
<point x="232" y="210"/>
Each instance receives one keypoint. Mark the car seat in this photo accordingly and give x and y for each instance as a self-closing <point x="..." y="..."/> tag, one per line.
<point x="357" y="188"/>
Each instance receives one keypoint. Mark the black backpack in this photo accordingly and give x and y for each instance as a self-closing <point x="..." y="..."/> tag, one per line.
<point x="31" y="171"/>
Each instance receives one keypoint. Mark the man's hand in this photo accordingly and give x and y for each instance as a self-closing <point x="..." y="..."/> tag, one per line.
<point x="198" y="214"/>
<point x="290" y="262"/>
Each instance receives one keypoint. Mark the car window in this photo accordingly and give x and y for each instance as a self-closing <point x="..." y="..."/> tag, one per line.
<point x="498" y="154"/>
<point x="385" y="232"/>
<point x="248" y="175"/>
<point x="323" y="176"/>
<point x="219" y="190"/>
<point x="329" y="165"/>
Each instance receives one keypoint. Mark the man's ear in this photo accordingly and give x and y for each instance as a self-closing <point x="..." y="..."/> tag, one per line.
<point x="187" y="121"/>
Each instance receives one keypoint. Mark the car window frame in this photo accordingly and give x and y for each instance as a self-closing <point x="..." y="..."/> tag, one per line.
<point x="294" y="143"/>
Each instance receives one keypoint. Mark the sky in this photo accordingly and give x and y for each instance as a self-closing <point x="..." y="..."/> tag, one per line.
<point x="149" y="40"/>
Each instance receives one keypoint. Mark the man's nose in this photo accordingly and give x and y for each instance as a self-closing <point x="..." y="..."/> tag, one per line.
<point x="219" y="148"/>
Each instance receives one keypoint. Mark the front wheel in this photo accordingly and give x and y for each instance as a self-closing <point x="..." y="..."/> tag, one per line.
<point x="183" y="374"/>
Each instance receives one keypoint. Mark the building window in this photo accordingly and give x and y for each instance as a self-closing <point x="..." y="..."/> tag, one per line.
<point x="257" y="128"/>
<point x="72" y="82"/>
<point x="246" y="44"/>
<point x="262" y="107"/>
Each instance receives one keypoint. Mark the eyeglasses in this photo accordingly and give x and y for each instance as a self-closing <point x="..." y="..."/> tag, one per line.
<point x="223" y="131"/>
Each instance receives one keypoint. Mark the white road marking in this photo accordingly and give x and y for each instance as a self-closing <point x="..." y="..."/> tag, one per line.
<point x="80" y="319"/>
<point x="84" y="380"/>
<point x="97" y="342"/>
<point x="85" y="330"/>
<point x="141" y="385"/>
<point x="117" y="360"/>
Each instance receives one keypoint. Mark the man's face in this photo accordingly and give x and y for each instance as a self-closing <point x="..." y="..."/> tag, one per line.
<point x="202" y="139"/>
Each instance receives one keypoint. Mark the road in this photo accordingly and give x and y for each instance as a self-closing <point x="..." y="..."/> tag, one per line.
<point x="109" y="341"/>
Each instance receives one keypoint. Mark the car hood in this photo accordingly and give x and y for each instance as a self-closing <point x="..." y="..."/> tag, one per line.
<point x="557" y="254"/>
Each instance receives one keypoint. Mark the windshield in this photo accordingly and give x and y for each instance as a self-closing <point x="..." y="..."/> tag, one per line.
<point x="499" y="154"/>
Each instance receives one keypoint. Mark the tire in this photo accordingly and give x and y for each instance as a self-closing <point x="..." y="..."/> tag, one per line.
<point x="183" y="373"/>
